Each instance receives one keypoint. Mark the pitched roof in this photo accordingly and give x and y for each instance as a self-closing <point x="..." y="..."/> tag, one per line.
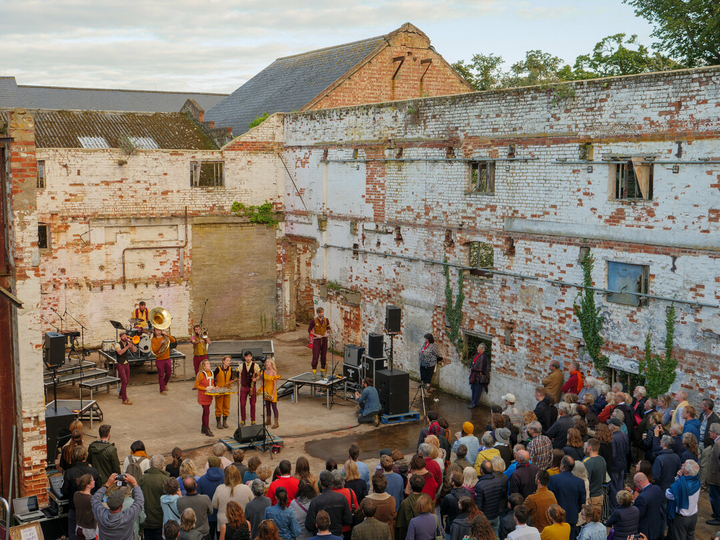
<point x="289" y="83"/>
<point x="105" y="129"/>
<point x="96" y="99"/>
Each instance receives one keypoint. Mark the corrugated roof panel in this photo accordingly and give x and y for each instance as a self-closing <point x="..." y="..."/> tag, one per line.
<point x="93" y="142"/>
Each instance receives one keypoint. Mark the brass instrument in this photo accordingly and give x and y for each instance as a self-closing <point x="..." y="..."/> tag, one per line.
<point x="160" y="319"/>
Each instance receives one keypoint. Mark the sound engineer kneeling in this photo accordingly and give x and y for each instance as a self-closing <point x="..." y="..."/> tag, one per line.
<point x="369" y="402"/>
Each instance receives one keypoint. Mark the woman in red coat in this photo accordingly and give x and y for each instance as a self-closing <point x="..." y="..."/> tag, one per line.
<point x="575" y="383"/>
<point x="204" y="381"/>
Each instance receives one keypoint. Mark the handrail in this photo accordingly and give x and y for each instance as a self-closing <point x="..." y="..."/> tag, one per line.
<point x="6" y="505"/>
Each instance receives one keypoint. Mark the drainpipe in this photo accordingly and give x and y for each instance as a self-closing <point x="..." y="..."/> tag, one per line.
<point x="155" y="246"/>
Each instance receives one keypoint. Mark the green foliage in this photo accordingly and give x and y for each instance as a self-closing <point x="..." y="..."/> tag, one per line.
<point x="333" y="285"/>
<point x="559" y="93"/>
<point x="259" y="120"/>
<point x="658" y="371"/>
<point x="687" y="29"/>
<point x="589" y="316"/>
<point x="126" y="145"/>
<point x="263" y="214"/>
<point x="537" y="68"/>
<point x="615" y="55"/>
<point x="454" y="311"/>
<point x="483" y="72"/>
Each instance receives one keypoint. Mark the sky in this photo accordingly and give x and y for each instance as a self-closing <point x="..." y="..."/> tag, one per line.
<point x="217" y="45"/>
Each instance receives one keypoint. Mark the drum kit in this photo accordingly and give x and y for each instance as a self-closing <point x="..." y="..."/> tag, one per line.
<point x="138" y="335"/>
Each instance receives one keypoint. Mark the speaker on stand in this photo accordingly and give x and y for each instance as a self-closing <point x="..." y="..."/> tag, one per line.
<point x="376" y="344"/>
<point x="393" y="318"/>
<point x="54" y="349"/>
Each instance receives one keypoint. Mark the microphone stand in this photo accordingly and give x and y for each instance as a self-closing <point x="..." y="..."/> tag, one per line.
<point x="59" y="317"/>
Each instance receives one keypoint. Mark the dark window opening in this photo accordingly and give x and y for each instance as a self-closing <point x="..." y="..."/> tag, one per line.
<point x="632" y="180"/>
<point x="472" y="341"/>
<point x="207" y="173"/>
<point x="482" y="177"/>
<point x="450" y="152"/>
<point x="511" y="151"/>
<point x="41" y="174"/>
<point x="43" y="236"/>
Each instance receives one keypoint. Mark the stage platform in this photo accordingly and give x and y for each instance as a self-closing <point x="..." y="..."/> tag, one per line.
<point x="138" y="359"/>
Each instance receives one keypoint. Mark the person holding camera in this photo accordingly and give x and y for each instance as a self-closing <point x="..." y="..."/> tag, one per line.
<point x="113" y="522"/>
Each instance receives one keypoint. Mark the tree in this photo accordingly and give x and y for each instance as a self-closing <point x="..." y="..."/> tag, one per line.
<point x="483" y="72"/>
<point x="615" y="55"/>
<point x="589" y="316"/>
<point x="687" y="29"/>
<point x="659" y="371"/>
<point x="537" y="68"/>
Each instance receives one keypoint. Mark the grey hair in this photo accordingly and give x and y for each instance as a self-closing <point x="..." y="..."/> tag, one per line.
<point x="605" y="388"/>
<point x="677" y="428"/>
<point x="668" y="441"/>
<point x="337" y="479"/>
<point x="564" y="407"/>
<point x="579" y="470"/>
<point x="535" y="426"/>
<point x="487" y="439"/>
<point x="219" y="449"/>
<point x="715" y="428"/>
<point x="617" y="386"/>
<point x="692" y="467"/>
<point x="157" y="461"/>
<point x="425" y="450"/>
<point x="258" y="487"/>
<point x="617" y="413"/>
<point x="641" y="390"/>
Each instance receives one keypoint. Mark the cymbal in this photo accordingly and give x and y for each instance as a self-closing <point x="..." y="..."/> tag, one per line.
<point x="135" y="321"/>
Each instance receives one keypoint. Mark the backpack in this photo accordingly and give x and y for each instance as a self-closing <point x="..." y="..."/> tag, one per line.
<point x="133" y="468"/>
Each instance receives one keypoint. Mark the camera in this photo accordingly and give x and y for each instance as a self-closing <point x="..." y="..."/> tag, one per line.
<point x="121" y="481"/>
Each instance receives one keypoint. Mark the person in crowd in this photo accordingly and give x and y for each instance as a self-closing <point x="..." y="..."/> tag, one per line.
<point x="620" y="451"/>
<point x="707" y="417"/>
<point x="593" y="528"/>
<point x="487" y="451"/>
<point x="232" y="489"/>
<point x="187" y="470"/>
<point x="574" y="445"/>
<point x="575" y="383"/>
<point x="114" y="522"/>
<point x="596" y="468"/>
<point x="64" y="460"/>
<point x="558" y="431"/>
<point x="370" y="528"/>
<point x="169" y="499"/>
<point x="553" y="383"/>
<point x="470" y="479"/>
<point x="683" y="496"/>
<point x="480" y="528"/>
<point x="540" y="447"/>
<point x="579" y="471"/>
<point x="267" y="530"/>
<point x="690" y="446"/>
<point x="569" y="490"/>
<point x="515" y="414"/>
<point x="285" y="480"/>
<point x="338" y="487"/>
<point x="173" y="468"/>
<point x="237" y="526"/>
<point x="425" y="524"/>
<point x="628" y="413"/>
<point x="507" y="521"/>
<point x="601" y="400"/>
<point x="395" y="484"/>
<point x="282" y="516"/>
<point x="78" y="468"/>
<point x="171" y="530"/>
<point x="488" y="494"/>
<point x="418" y="468"/>
<point x="625" y="518"/>
<point x="152" y="484"/>
<point x="127" y="503"/>
<point x="554" y="467"/>
<point x="138" y="456"/>
<point x="539" y="503"/>
<point x="558" y="529"/>
<point x="523" y="479"/>
<point x="647" y="438"/>
<point x="253" y="465"/>
<point x="450" y="506"/>
<point x="199" y="503"/>
<point x="270" y="380"/>
<point x="238" y="458"/>
<point x="428" y="358"/>
<point x="543" y="409"/>
<point x="692" y="423"/>
<point x="604" y="415"/>
<point x="471" y="442"/>
<point x="369" y="402"/>
<point x="523" y="531"/>
<point x="188" y="526"/>
<point x="666" y="465"/>
<point x="498" y="468"/>
<point x="385" y="504"/>
<point x="461" y="525"/>
<point x="645" y="467"/>
<point x="204" y="382"/>
<point x="353" y="480"/>
<point x="300" y="504"/>
<point x="302" y="471"/>
<point x="436" y="453"/>
<point x="431" y="418"/>
<point x="85" y="519"/>
<point x="589" y="388"/>
<point x="713" y="474"/>
<point x="502" y="445"/>
<point x="255" y="509"/>
<point x="102" y="454"/>
<point x="650" y="504"/>
<point x="479" y="376"/>
<point x="335" y="504"/>
<point x="680" y="398"/>
<point x="408" y="509"/>
<point x="323" y="527"/>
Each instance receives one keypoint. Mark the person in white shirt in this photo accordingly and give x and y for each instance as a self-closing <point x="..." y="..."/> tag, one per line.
<point x="684" y="495"/>
<point x="522" y="530"/>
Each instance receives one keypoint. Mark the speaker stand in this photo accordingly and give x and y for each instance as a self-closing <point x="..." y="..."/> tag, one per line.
<point x="421" y="393"/>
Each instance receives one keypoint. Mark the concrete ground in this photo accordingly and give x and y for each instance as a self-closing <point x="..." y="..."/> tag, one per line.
<point x="306" y="427"/>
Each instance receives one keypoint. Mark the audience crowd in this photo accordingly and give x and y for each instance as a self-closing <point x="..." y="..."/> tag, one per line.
<point x="558" y="472"/>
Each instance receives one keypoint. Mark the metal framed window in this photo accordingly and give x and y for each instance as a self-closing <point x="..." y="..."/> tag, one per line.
<point x="207" y="173"/>
<point x="628" y="278"/>
<point x="482" y="177"/>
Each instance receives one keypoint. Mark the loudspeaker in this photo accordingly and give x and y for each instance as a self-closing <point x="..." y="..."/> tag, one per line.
<point x="56" y="424"/>
<point x="392" y="319"/>
<point x="245" y="434"/>
<point x="375" y="346"/>
<point x="394" y="390"/>
<point x="373" y="365"/>
<point x="353" y="354"/>
<point x="54" y="349"/>
<point x="352" y="373"/>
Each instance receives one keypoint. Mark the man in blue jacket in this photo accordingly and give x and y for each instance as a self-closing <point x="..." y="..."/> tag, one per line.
<point x="207" y="484"/>
<point x="569" y="491"/>
<point x="369" y="402"/>
<point x="650" y="501"/>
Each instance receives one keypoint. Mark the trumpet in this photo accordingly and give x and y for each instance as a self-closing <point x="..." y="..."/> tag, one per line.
<point x="204" y="333"/>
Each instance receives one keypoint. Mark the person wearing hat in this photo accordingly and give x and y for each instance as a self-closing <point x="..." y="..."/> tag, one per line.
<point x="516" y="415"/>
<point x="502" y="436"/>
<point x="469" y="440"/>
<point x="122" y="366"/>
<point x="620" y="449"/>
<point x="113" y="522"/>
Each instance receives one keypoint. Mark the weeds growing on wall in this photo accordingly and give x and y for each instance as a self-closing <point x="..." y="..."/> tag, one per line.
<point x="262" y="215"/>
<point x="454" y="311"/>
<point x="658" y="371"/>
<point x="589" y="316"/>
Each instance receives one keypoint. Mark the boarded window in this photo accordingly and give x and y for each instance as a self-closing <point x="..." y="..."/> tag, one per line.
<point x="482" y="176"/>
<point x="41" y="174"/>
<point x="43" y="236"/>
<point x="207" y="173"/>
<point x="480" y="255"/>
<point x="625" y="279"/>
<point x="632" y="180"/>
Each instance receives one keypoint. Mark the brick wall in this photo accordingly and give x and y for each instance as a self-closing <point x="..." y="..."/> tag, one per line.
<point x="540" y="215"/>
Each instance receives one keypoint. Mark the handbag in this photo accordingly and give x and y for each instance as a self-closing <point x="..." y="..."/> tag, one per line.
<point x="439" y="535"/>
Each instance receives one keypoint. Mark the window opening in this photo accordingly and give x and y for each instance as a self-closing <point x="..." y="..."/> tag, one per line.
<point x="207" y="173"/>
<point x="482" y="177"/>
<point x="628" y="278"/>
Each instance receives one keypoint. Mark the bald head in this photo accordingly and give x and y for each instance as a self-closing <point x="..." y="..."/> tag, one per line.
<point x="523" y="456"/>
<point x="640" y="480"/>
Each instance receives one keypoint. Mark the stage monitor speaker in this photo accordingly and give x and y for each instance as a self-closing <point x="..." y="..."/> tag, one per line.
<point x="352" y="373"/>
<point x="54" y="349"/>
<point x="246" y="434"/>
<point x="56" y="424"/>
<point x="375" y="346"/>
<point x="394" y="390"/>
<point x="392" y="319"/>
<point x="353" y="354"/>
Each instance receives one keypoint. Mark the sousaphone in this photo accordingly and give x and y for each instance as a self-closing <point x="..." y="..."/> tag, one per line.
<point x="160" y="318"/>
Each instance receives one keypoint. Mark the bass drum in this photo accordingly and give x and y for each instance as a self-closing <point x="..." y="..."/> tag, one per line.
<point x="144" y="345"/>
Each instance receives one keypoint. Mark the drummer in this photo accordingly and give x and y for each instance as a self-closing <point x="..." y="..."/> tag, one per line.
<point x="141" y="316"/>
